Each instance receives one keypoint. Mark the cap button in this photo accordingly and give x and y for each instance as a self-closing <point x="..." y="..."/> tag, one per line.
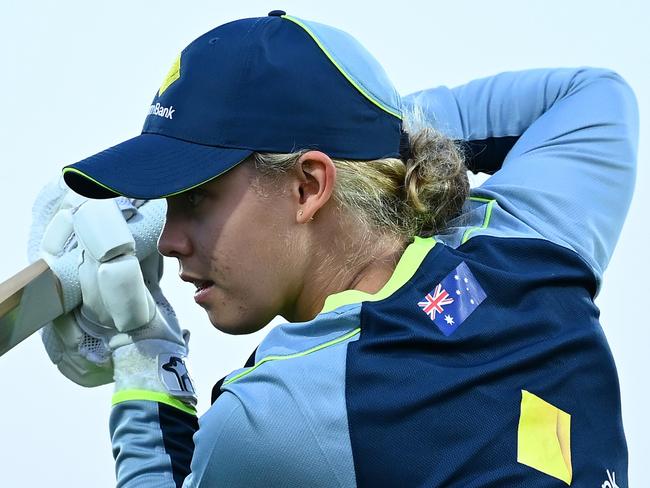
<point x="277" y="13"/>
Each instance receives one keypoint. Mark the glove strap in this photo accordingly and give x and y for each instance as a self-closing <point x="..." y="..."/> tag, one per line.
<point x="142" y="367"/>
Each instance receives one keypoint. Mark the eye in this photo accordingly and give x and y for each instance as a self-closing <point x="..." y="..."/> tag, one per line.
<point x="194" y="198"/>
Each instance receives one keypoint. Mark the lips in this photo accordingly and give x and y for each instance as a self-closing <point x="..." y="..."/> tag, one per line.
<point x="203" y="287"/>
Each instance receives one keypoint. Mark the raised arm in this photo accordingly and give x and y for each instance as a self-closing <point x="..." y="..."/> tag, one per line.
<point x="561" y="145"/>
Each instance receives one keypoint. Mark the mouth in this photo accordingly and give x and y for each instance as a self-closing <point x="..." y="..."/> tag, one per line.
<point x="202" y="287"/>
<point x="203" y="284"/>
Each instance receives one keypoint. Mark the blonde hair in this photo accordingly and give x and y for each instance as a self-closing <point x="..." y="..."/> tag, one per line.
<point x="416" y="197"/>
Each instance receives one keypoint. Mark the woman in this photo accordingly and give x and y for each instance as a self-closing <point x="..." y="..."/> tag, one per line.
<point x="434" y="339"/>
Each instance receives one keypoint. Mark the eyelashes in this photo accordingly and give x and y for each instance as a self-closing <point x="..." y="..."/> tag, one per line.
<point x="193" y="198"/>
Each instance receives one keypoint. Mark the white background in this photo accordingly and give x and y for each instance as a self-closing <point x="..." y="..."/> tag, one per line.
<point x="78" y="77"/>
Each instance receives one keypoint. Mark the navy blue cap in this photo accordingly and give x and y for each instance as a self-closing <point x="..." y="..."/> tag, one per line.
<point x="271" y="84"/>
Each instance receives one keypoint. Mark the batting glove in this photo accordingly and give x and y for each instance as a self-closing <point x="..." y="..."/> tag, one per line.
<point x="81" y="356"/>
<point x="124" y="307"/>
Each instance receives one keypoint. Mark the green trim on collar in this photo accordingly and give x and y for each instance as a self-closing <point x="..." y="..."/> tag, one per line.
<point x="404" y="271"/>
<point x="333" y="342"/>
<point x="486" y="219"/>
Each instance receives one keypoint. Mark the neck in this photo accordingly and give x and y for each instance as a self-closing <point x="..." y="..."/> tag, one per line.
<point x="335" y="272"/>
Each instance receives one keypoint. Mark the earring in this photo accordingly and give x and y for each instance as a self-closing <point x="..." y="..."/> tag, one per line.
<point x="300" y="213"/>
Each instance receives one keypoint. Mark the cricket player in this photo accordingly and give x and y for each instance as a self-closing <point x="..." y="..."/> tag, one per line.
<point x="435" y="336"/>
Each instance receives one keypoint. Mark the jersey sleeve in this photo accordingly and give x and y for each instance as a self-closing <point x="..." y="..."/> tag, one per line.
<point x="237" y="442"/>
<point x="152" y="443"/>
<point x="560" y="144"/>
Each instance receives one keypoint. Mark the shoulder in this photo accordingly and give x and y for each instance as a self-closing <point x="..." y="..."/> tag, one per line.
<point x="283" y="421"/>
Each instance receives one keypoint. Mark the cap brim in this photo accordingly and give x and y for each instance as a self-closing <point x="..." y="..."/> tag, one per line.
<point x="150" y="166"/>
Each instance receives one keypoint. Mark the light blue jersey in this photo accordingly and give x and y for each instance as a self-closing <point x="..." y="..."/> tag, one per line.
<point x="480" y="363"/>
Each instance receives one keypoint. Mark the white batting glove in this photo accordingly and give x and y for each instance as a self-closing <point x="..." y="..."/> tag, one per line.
<point x="152" y="357"/>
<point x="125" y="308"/>
<point x="82" y="357"/>
<point x="52" y="236"/>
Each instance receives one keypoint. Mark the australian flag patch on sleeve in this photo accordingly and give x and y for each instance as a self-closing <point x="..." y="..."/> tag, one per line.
<point x="453" y="299"/>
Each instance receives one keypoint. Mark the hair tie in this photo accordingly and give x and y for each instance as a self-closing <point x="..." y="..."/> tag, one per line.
<point x="405" y="146"/>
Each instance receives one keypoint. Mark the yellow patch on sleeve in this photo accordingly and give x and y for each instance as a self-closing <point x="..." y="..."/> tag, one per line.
<point x="172" y="76"/>
<point x="544" y="437"/>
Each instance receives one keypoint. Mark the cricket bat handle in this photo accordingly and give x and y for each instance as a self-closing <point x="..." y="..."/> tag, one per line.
<point x="28" y="300"/>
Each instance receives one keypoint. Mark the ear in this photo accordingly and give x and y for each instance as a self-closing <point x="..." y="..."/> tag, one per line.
<point x="316" y="175"/>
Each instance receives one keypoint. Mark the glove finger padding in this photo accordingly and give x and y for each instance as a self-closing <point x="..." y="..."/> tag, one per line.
<point x="102" y="231"/>
<point x="52" y="239"/>
<point x="114" y="294"/>
<point x="46" y="205"/>
<point x="112" y="285"/>
<point x="124" y="293"/>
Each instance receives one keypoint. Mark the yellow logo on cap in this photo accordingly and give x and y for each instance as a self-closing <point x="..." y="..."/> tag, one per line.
<point x="544" y="437"/>
<point x="172" y="76"/>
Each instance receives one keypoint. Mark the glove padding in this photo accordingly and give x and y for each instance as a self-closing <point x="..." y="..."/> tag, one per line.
<point x="152" y="357"/>
<point x="52" y="235"/>
<point x="145" y="357"/>
<point x="124" y="307"/>
<point x="77" y="344"/>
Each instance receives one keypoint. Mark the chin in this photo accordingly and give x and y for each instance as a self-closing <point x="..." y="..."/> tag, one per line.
<point x="233" y="327"/>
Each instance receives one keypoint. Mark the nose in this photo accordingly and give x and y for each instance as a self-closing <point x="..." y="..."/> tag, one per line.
<point x="174" y="241"/>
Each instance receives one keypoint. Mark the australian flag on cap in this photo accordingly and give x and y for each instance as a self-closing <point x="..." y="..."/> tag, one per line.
<point x="453" y="299"/>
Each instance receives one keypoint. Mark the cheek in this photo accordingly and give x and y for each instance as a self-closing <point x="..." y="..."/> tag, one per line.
<point x="249" y="257"/>
<point x="251" y="242"/>
<point x="241" y="308"/>
<point x="253" y="268"/>
<point x="253" y="282"/>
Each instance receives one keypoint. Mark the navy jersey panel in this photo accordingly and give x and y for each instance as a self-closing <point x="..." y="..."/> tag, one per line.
<point x="430" y="410"/>
<point x="177" y="430"/>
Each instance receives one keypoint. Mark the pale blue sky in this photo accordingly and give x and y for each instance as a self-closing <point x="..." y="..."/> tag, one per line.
<point x="78" y="77"/>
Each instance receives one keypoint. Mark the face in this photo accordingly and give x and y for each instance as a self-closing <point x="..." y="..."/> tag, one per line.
<point x="233" y="242"/>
